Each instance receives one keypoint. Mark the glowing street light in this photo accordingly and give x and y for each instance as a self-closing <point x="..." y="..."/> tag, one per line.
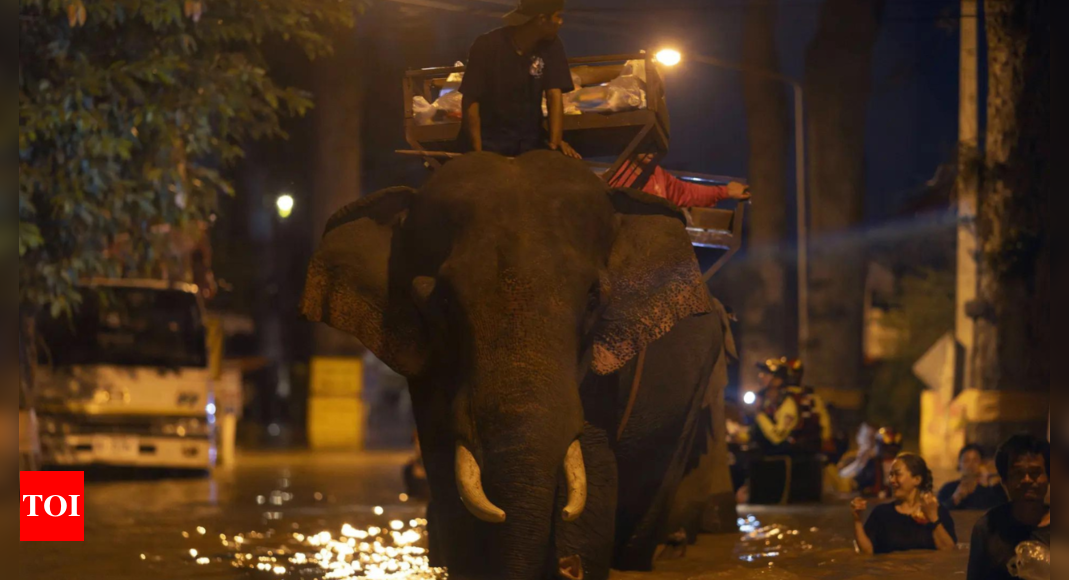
<point x="285" y="206"/>
<point x="749" y="398"/>
<point x="669" y="57"/>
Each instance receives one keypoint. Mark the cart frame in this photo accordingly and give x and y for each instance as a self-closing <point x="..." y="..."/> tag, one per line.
<point x="635" y="133"/>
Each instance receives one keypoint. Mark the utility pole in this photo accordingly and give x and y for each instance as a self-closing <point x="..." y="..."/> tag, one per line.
<point x="801" y="191"/>
<point x="968" y="186"/>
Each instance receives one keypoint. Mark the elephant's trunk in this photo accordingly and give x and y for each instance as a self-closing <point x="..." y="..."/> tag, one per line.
<point x="575" y="471"/>
<point x="470" y="484"/>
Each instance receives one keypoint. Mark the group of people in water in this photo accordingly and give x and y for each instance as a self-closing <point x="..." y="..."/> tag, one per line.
<point x="1014" y="535"/>
<point x="916" y="518"/>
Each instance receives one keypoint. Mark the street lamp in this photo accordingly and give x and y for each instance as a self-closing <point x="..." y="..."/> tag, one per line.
<point x="673" y="57"/>
<point x="669" y="57"/>
<point x="285" y="205"/>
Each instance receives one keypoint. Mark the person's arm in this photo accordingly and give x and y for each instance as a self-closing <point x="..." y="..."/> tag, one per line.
<point x="861" y="533"/>
<point x="555" y="103"/>
<point x="473" y="124"/>
<point x="943" y="534"/>
<point x="557" y="80"/>
<point x="474" y="87"/>
<point x="944" y="542"/>
<point x="946" y="496"/>
<point x="686" y="194"/>
<point x="777" y="431"/>
<point x="966" y="488"/>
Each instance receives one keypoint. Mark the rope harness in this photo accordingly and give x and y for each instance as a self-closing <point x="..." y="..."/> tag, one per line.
<point x="636" y="384"/>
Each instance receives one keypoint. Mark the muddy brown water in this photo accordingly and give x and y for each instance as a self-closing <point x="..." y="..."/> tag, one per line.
<point x="341" y="517"/>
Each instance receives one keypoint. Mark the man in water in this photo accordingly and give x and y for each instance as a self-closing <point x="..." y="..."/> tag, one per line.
<point x="786" y="426"/>
<point x="509" y="72"/>
<point x="1024" y="464"/>
<point x="778" y="414"/>
<point x="972" y="491"/>
<point x="815" y="416"/>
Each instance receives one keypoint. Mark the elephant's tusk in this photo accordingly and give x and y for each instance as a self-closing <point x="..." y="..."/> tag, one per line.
<point x="470" y="484"/>
<point x="575" y="471"/>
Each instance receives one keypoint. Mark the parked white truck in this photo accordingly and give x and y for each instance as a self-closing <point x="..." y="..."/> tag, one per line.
<point x="130" y="381"/>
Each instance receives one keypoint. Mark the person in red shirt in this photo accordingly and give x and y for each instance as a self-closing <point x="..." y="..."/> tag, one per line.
<point x="684" y="194"/>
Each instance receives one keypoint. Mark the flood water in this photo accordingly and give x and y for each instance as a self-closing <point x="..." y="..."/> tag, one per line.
<point x="807" y="542"/>
<point x="342" y="517"/>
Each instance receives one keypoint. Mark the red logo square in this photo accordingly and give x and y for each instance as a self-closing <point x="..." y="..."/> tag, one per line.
<point x="53" y="507"/>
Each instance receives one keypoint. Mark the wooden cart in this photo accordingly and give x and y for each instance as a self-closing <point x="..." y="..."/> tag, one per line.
<point x="637" y="141"/>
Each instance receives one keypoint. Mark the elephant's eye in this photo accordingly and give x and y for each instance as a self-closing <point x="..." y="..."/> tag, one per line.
<point x="594" y="297"/>
<point x="422" y="289"/>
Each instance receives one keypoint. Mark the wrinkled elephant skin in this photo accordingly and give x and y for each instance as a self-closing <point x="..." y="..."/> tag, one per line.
<point x="518" y="297"/>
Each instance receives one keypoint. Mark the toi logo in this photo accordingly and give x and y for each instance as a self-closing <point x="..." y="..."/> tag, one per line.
<point x="52" y="507"/>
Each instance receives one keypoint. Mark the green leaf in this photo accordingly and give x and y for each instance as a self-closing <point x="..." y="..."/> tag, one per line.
<point x="60" y="306"/>
<point x="29" y="238"/>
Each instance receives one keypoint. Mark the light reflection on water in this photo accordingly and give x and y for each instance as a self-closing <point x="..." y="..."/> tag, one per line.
<point x="394" y="552"/>
<point x="381" y="549"/>
<point x="264" y="515"/>
<point x="810" y="543"/>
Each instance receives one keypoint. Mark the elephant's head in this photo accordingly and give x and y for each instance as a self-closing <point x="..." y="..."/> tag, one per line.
<point x="495" y="289"/>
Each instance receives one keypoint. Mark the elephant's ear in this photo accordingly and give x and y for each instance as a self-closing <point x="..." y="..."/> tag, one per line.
<point x="653" y="280"/>
<point x="349" y="281"/>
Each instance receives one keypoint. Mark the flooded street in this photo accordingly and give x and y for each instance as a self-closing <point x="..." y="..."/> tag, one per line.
<point x="806" y="542"/>
<point x="342" y="517"/>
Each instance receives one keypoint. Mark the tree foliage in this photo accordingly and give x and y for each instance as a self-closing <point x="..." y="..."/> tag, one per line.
<point x="922" y="313"/>
<point x="129" y="113"/>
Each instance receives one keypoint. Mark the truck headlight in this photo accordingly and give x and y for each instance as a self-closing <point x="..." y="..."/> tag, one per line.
<point x="192" y="428"/>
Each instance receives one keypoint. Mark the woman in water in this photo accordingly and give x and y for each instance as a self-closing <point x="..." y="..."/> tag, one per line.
<point x="914" y="521"/>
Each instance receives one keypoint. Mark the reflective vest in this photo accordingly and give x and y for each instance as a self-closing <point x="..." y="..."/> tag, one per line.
<point x="808" y="434"/>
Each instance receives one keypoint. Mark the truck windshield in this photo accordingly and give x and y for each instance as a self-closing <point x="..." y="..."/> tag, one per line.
<point x="135" y="327"/>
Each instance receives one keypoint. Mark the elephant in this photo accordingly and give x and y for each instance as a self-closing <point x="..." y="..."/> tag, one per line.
<point x="521" y="297"/>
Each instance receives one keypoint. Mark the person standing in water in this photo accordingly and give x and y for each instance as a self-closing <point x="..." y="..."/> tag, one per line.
<point x="914" y="521"/>
<point x="778" y="414"/>
<point x="1023" y="462"/>
<point x="972" y="491"/>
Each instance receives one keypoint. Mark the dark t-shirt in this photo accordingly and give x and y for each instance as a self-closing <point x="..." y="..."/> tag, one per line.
<point x="891" y="531"/>
<point x="509" y="87"/>
<point x="983" y="499"/>
<point x="994" y="544"/>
